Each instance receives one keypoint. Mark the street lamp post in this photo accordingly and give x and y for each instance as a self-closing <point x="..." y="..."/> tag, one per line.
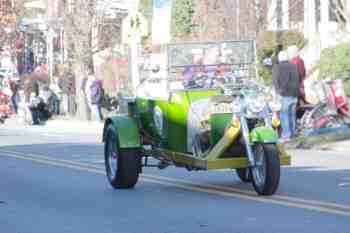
<point x="134" y="51"/>
<point x="279" y="35"/>
<point x="49" y="52"/>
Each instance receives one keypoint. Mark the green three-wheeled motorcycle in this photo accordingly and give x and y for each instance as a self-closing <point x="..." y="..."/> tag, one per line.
<point x="209" y="113"/>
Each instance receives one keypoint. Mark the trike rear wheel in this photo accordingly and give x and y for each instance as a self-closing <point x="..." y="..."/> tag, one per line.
<point x="122" y="165"/>
<point x="266" y="173"/>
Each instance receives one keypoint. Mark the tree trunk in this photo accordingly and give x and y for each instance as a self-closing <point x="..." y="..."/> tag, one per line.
<point x="79" y="25"/>
<point x="80" y="71"/>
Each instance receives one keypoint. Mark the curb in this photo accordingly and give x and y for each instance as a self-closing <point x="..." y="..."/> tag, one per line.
<point x="74" y="123"/>
<point x="309" y="142"/>
<point x="59" y="123"/>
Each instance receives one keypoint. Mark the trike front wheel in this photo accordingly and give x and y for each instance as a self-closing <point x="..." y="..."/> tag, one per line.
<point x="266" y="172"/>
<point x="244" y="175"/>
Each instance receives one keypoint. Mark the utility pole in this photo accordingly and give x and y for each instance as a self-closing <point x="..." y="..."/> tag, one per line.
<point x="258" y="15"/>
<point x="324" y="29"/>
<point x="237" y="20"/>
<point x="134" y="51"/>
<point x="279" y="36"/>
<point x="50" y="37"/>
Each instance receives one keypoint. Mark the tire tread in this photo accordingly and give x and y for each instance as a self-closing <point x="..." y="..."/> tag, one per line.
<point x="129" y="163"/>
<point x="272" y="171"/>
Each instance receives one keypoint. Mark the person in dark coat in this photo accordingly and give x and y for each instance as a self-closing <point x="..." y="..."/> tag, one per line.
<point x="37" y="105"/>
<point x="286" y="81"/>
<point x="14" y="96"/>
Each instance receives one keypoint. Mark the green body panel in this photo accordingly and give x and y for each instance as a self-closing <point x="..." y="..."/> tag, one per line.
<point x="175" y="111"/>
<point x="145" y="108"/>
<point x="127" y="130"/>
<point x="263" y="135"/>
<point x="177" y="115"/>
<point x="218" y="124"/>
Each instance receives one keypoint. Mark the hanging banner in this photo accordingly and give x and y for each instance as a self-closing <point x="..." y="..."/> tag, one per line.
<point x="161" y="21"/>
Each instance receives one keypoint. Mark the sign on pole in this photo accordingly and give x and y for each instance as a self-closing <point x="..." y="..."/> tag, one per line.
<point x="161" y="21"/>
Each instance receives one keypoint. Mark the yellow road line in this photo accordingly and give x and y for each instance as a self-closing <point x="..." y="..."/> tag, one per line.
<point x="210" y="186"/>
<point x="324" y="207"/>
<point x="252" y="193"/>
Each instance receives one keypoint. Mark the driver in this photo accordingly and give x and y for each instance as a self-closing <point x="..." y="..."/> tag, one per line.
<point x="190" y="72"/>
<point x="211" y="58"/>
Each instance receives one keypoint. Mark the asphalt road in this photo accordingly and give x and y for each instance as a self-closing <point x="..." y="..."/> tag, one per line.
<point x="53" y="180"/>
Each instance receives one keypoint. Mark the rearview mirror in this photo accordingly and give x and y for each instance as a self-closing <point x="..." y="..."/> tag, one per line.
<point x="155" y="69"/>
<point x="267" y="62"/>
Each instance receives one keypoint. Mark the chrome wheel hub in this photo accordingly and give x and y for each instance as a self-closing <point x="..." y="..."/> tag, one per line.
<point x="112" y="158"/>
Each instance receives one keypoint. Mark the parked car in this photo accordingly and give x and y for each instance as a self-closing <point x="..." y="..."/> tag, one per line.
<point x="199" y="128"/>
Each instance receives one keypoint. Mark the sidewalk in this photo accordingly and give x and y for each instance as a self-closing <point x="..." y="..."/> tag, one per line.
<point x="330" y="142"/>
<point x="60" y="124"/>
<point x="341" y="146"/>
<point x="70" y="123"/>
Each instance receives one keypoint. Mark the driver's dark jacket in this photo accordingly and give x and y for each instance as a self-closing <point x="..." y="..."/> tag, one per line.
<point x="286" y="79"/>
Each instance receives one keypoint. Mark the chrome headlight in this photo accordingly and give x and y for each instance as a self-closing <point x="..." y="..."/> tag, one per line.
<point x="256" y="103"/>
<point x="237" y="105"/>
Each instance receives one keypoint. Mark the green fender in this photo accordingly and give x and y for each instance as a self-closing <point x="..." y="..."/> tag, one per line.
<point x="127" y="131"/>
<point x="263" y="135"/>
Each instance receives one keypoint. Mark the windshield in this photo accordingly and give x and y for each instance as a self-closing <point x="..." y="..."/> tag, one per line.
<point x="211" y="54"/>
<point x="203" y="65"/>
<point x="210" y="64"/>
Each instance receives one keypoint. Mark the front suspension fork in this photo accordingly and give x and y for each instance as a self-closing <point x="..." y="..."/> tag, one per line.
<point x="246" y="139"/>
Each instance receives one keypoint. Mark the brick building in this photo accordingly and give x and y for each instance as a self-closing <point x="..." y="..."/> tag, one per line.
<point x="316" y="19"/>
<point x="5" y="7"/>
<point x="6" y="12"/>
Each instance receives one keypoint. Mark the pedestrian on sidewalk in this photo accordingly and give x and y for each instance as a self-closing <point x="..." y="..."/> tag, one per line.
<point x="286" y="82"/>
<point x="14" y="96"/>
<point x="86" y="92"/>
<point x="56" y="93"/>
<point x="51" y="101"/>
<point x="96" y="94"/>
<point x="66" y="82"/>
<point x="294" y="58"/>
<point x="37" y="106"/>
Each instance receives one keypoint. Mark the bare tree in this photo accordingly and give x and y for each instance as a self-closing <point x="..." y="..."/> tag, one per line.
<point x="88" y="31"/>
<point x="295" y="12"/>
<point x="9" y="21"/>
<point x="78" y="20"/>
<point x="224" y="19"/>
<point x="342" y="10"/>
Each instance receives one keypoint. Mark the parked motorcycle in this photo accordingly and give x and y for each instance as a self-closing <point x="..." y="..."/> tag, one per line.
<point x="332" y="111"/>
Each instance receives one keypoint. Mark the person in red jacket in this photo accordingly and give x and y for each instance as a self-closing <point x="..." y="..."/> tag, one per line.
<point x="294" y="58"/>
